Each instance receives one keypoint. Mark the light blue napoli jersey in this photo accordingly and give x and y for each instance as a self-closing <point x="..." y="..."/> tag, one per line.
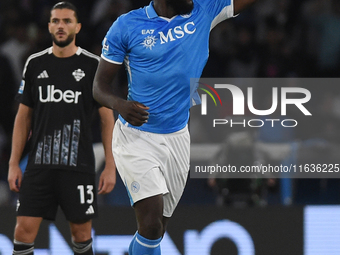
<point x="160" y="57"/>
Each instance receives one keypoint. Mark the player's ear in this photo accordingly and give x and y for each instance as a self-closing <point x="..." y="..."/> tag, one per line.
<point x="78" y="27"/>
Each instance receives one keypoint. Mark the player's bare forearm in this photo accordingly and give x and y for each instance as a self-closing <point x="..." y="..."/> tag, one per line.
<point x="240" y="5"/>
<point x="22" y="126"/>
<point x="107" y="124"/>
<point x="133" y="112"/>
<point x="107" y="179"/>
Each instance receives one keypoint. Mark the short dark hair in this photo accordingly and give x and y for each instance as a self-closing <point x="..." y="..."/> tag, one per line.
<point x="66" y="5"/>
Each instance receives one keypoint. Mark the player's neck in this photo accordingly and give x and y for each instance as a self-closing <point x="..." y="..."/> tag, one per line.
<point x="64" y="52"/>
<point x="163" y="10"/>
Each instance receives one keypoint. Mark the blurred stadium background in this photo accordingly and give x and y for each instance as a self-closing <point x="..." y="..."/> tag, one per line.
<point x="273" y="39"/>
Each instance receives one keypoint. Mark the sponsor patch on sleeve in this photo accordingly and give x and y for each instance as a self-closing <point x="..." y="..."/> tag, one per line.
<point x="22" y="86"/>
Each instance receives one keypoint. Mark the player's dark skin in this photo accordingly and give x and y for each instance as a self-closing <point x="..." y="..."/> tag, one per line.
<point x="149" y="212"/>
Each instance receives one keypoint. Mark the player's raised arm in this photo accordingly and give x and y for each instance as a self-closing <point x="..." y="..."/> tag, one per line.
<point x="133" y="112"/>
<point x="240" y="5"/>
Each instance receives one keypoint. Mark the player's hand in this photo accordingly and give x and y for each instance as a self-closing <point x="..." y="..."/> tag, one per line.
<point x="14" y="178"/>
<point x="134" y="112"/>
<point x="107" y="180"/>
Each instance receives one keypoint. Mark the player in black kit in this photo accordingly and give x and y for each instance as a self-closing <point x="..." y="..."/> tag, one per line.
<point x="56" y="103"/>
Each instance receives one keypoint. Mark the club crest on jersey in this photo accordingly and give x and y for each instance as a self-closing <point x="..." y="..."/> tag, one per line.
<point x="135" y="186"/>
<point x="78" y="74"/>
<point x="149" y="42"/>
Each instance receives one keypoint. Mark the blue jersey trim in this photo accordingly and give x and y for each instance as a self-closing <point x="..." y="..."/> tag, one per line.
<point x="111" y="61"/>
<point x="150" y="11"/>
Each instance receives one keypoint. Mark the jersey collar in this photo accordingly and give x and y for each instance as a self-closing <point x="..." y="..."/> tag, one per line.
<point x="150" y="11"/>
<point x="50" y="50"/>
<point x="79" y="51"/>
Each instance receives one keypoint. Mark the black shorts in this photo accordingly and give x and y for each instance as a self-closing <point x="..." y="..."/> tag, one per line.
<point x="42" y="191"/>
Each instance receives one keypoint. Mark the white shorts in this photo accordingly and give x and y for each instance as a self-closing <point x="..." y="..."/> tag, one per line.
<point x="152" y="164"/>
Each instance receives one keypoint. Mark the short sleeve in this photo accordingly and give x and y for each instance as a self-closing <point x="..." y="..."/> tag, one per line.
<point x="24" y="94"/>
<point x="114" y="45"/>
<point x="218" y="10"/>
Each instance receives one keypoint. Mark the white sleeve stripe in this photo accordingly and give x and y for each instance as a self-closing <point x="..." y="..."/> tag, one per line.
<point x="111" y="61"/>
<point x="33" y="56"/>
<point x="227" y="12"/>
<point x="89" y="54"/>
<point x="128" y="68"/>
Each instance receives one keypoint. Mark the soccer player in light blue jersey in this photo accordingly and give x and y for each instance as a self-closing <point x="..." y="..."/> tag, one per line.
<point x="162" y="46"/>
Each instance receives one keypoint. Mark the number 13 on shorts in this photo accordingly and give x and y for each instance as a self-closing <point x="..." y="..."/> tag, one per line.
<point x="89" y="194"/>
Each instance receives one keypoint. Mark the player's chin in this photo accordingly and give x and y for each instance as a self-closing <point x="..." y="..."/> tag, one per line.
<point x="62" y="43"/>
<point x="61" y="38"/>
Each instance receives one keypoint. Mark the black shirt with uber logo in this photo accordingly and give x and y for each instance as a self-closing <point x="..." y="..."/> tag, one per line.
<point x="60" y="92"/>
